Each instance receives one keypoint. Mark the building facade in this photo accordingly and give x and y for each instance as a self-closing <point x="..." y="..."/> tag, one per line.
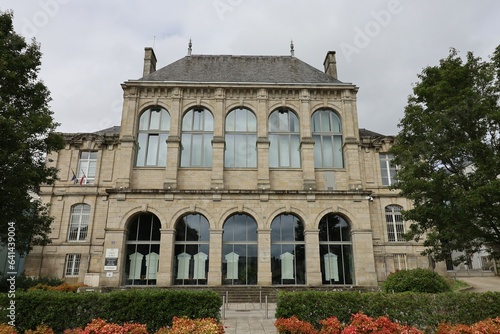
<point x="226" y="170"/>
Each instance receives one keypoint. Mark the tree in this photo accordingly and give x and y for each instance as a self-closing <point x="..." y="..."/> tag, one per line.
<point x="448" y="156"/>
<point x="27" y="132"/>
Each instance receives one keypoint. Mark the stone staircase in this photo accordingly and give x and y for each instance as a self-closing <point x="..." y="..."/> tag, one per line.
<point x="257" y="294"/>
<point x="244" y="293"/>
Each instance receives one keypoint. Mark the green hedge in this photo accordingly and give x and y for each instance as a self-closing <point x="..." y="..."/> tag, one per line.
<point x="416" y="280"/>
<point x="153" y="307"/>
<point x="416" y="309"/>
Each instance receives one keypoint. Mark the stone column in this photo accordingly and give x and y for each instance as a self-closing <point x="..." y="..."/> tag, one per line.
<point x="218" y="142"/>
<point x="351" y="138"/>
<point x="115" y="238"/>
<point x="215" y="258"/>
<point x="263" y="181"/>
<point x="264" y="276"/>
<point x="313" y="268"/>
<point x="218" y="145"/>
<point x="174" y="141"/>
<point x="364" y="261"/>
<point x="167" y="242"/>
<point x="307" y="156"/>
<point x="173" y="154"/>
<point x="128" y="145"/>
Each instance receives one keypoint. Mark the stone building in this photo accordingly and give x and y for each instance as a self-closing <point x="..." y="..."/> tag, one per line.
<point x="226" y="170"/>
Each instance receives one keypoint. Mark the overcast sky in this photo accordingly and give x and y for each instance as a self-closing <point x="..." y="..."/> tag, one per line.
<point x="90" y="47"/>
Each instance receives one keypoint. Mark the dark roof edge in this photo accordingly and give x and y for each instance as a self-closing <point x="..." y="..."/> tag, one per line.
<point x="227" y="83"/>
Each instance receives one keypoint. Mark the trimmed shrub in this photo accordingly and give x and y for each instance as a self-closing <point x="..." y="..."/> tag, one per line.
<point x="416" y="280"/>
<point x="152" y="307"/>
<point x="421" y="310"/>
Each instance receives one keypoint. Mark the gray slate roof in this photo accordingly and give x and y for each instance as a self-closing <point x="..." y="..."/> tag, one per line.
<point x="241" y="69"/>
<point x="368" y="133"/>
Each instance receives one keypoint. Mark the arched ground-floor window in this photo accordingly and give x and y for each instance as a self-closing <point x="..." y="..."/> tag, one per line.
<point x="192" y="240"/>
<point x="335" y="248"/>
<point x="239" y="250"/>
<point x="288" y="253"/>
<point x="143" y="250"/>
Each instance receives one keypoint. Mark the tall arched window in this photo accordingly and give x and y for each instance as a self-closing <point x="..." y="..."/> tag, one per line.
<point x="395" y="223"/>
<point x="284" y="138"/>
<point x="154" y="125"/>
<point x="239" y="250"/>
<point x="327" y="136"/>
<point x="335" y="249"/>
<point x="196" y="139"/>
<point x="79" y="224"/>
<point x="192" y="240"/>
<point x="143" y="250"/>
<point x="288" y="251"/>
<point x="241" y="139"/>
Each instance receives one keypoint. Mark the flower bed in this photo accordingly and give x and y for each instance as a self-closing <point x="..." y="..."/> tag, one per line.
<point x="363" y="324"/>
<point x="99" y="326"/>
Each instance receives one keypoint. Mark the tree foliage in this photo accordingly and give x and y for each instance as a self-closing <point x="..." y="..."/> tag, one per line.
<point x="27" y="133"/>
<point x="448" y="155"/>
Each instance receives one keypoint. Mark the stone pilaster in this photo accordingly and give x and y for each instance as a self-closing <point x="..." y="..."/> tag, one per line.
<point x="307" y="156"/>
<point x="313" y="269"/>
<point x="173" y="154"/>
<point x="218" y="145"/>
<point x="264" y="266"/>
<point x="167" y="241"/>
<point x="263" y="181"/>
<point x="364" y="261"/>
<point x="215" y="258"/>
<point x="115" y="238"/>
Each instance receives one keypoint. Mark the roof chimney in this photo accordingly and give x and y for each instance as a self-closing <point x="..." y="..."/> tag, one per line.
<point x="149" y="61"/>
<point x="330" y="64"/>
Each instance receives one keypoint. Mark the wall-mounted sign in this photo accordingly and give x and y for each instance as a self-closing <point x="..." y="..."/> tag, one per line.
<point x="111" y="259"/>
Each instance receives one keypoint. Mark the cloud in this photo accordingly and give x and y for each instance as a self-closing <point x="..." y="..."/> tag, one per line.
<point x="91" y="47"/>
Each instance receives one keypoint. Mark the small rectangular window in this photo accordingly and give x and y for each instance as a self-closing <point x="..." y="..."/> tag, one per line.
<point x="72" y="265"/>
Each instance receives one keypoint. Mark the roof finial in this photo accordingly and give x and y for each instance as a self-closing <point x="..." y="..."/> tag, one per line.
<point x="190" y="47"/>
<point x="292" y="51"/>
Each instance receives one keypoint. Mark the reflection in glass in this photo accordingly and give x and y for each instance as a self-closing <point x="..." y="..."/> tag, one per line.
<point x="143" y="250"/>
<point x="284" y="138"/>
<point x="196" y="138"/>
<point x="241" y="139"/>
<point x="327" y="136"/>
<point x="335" y="250"/>
<point x="191" y="249"/>
<point x="287" y="250"/>
<point x="239" y="250"/>
<point x="154" y="124"/>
